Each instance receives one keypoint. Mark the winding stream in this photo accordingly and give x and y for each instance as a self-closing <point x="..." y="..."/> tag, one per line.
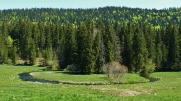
<point x="28" y="77"/>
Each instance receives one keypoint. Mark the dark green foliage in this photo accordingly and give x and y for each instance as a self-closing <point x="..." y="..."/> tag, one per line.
<point x="48" y="39"/>
<point x="32" y="53"/>
<point x="108" y="38"/>
<point x="140" y="53"/>
<point x="97" y="50"/>
<point x="14" y="55"/>
<point x="159" y="51"/>
<point x="141" y="39"/>
<point x="113" y="14"/>
<point x="85" y="53"/>
<point x="41" y="38"/>
<point x="70" y="47"/>
<point x="174" y="49"/>
<point x="126" y="35"/>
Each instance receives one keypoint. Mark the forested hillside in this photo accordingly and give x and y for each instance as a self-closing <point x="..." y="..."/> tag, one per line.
<point x="141" y="39"/>
<point x="112" y="14"/>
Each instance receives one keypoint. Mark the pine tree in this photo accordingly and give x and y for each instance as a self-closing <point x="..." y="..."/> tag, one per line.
<point x="174" y="49"/>
<point x="108" y="38"/>
<point x="164" y="48"/>
<point x="140" y="50"/>
<point x="56" y="37"/>
<point x="14" y="55"/>
<point x="150" y="40"/>
<point x="101" y="60"/>
<point x="97" y="50"/>
<point x="35" y="36"/>
<point x="48" y="39"/>
<point x="4" y="36"/>
<point x="84" y="50"/>
<point x="41" y="38"/>
<point x="69" y="45"/>
<point x="167" y="41"/>
<point x="127" y="34"/>
<point x="101" y="29"/>
<point x="159" y="54"/>
<point x="1" y="46"/>
<point x="32" y="53"/>
<point x="180" y="39"/>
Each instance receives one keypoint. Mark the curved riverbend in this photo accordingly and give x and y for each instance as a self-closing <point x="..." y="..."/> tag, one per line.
<point x="28" y="77"/>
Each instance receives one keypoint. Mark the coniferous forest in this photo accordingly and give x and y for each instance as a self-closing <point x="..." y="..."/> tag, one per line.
<point x="141" y="39"/>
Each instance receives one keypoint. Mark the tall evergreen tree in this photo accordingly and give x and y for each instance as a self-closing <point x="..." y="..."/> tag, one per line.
<point x="108" y="38"/>
<point x="84" y="50"/>
<point x="97" y="51"/>
<point x="48" y="39"/>
<point x="4" y="36"/>
<point x="159" y="54"/>
<point x="150" y="40"/>
<point x="14" y="55"/>
<point x="174" y="49"/>
<point x="56" y="37"/>
<point x="35" y="36"/>
<point x="127" y="33"/>
<point x="32" y="53"/>
<point x="140" y="50"/>
<point x="69" y="45"/>
<point x="41" y="38"/>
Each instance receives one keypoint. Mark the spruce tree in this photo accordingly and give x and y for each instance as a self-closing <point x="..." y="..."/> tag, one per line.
<point x="99" y="47"/>
<point x="84" y="50"/>
<point x="69" y="45"/>
<point x="32" y="53"/>
<point x="4" y="36"/>
<point x="149" y="34"/>
<point x="97" y="50"/>
<point x="140" y="50"/>
<point x="35" y="36"/>
<point x="14" y="55"/>
<point x="108" y="38"/>
<point x="41" y="38"/>
<point x="174" y="49"/>
<point x="48" y="39"/>
<point x="159" y="54"/>
<point x="56" y="37"/>
<point x="127" y="33"/>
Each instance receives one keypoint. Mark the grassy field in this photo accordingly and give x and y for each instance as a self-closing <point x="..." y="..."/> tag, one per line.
<point x="95" y="78"/>
<point x="13" y="89"/>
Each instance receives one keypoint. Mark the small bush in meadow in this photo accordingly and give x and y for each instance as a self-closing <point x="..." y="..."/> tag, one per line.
<point x="52" y="65"/>
<point x="115" y="71"/>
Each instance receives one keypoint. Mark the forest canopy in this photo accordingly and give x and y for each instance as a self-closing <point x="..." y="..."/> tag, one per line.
<point x="141" y="39"/>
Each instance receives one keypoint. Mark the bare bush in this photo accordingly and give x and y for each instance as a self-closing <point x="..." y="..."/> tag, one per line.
<point x="115" y="71"/>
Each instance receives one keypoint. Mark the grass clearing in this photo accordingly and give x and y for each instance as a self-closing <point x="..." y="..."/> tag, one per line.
<point x="12" y="88"/>
<point x="95" y="78"/>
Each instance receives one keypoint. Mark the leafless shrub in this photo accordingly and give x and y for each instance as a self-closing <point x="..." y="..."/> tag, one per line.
<point x="115" y="71"/>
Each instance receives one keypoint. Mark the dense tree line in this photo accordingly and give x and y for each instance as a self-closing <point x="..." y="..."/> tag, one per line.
<point x="89" y="43"/>
<point x="113" y="14"/>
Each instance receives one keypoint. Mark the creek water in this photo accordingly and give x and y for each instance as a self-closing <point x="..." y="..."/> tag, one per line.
<point x="28" y="77"/>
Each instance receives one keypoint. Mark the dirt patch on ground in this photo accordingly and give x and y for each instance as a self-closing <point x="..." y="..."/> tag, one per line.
<point x="124" y="92"/>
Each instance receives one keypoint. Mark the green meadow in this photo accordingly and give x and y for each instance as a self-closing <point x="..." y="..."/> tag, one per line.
<point x="168" y="88"/>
